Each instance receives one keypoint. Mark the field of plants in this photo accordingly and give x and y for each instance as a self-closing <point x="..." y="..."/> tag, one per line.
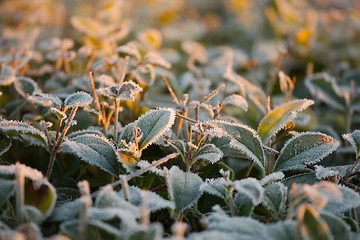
<point x="184" y="119"/>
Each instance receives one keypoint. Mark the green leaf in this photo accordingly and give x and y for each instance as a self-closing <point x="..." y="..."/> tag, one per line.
<point x="43" y="196"/>
<point x="277" y="118"/>
<point x="6" y="190"/>
<point x="7" y="75"/>
<point x="339" y="229"/>
<point x="26" y="86"/>
<point x="311" y="225"/>
<point x="208" y="152"/>
<point x="46" y="100"/>
<point x="275" y="198"/>
<point x="308" y="178"/>
<point x="184" y="188"/>
<point x="107" y="198"/>
<point x="245" y="227"/>
<point x="354" y="139"/>
<point x="350" y="199"/>
<point x="324" y="87"/>
<point x="152" y="232"/>
<point x="124" y="91"/>
<point x="245" y="140"/>
<point x="153" y="124"/>
<point x="305" y="148"/>
<point x="153" y="201"/>
<point x="95" y="150"/>
<point x="251" y="188"/>
<point x="282" y="230"/>
<point x="16" y="129"/>
<point x="5" y="143"/>
<point x="236" y="100"/>
<point x="216" y="187"/>
<point x="81" y="99"/>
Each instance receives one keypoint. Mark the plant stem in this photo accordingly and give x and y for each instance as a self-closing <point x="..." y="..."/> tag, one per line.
<point x="20" y="197"/>
<point x="125" y="187"/>
<point x="117" y="105"/>
<point x="57" y="144"/>
<point x="95" y="96"/>
<point x="249" y="169"/>
<point x="86" y="204"/>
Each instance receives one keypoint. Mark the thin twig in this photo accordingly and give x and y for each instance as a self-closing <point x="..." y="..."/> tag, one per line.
<point x="95" y="96"/>
<point x="172" y="93"/>
<point x="186" y="118"/>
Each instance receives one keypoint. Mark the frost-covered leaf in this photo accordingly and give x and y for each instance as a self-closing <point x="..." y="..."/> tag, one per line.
<point x="305" y="148"/>
<point x="128" y="219"/>
<point x="247" y="228"/>
<point x="354" y="139"/>
<point x="208" y="152"/>
<point x="277" y="118"/>
<point x="311" y="225"/>
<point x="236" y="100"/>
<point x="151" y="232"/>
<point x="275" y="197"/>
<point x="124" y="91"/>
<point x="324" y="172"/>
<point x="26" y="86"/>
<point x="67" y="211"/>
<point x="153" y="201"/>
<point x="184" y="188"/>
<point x="282" y="230"/>
<point x="339" y="229"/>
<point x="32" y="214"/>
<point x="7" y="75"/>
<point x="272" y="177"/>
<point x="5" y="143"/>
<point x="324" y="87"/>
<point x="216" y="187"/>
<point x="143" y="164"/>
<point x="212" y="234"/>
<point x="16" y="129"/>
<point x="95" y="150"/>
<point x="153" y="124"/>
<point x="81" y="99"/>
<point x="46" y="100"/>
<point x="107" y="198"/>
<point x="308" y="178"/>
<point x="155" y="59"/>
<point x="245" y="140"/>
<point x="131" y="49"/>
<point x="251" y="188"/>
<point x="350" y="199"/>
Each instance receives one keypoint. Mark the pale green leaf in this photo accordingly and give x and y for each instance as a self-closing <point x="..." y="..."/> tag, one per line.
<point x="305" y="148"/>
<point x="208" y="152"/>
<point x="339" y="229"/>
<point x="7" y="75"/>
<point x="184" y="188"/>
<point x="324" y="87"/>
<point x="245" y="140"/>
<point x="81" y="99"/>
<point x="26" y="86"/>
<point x="251" y="188"/>
<point x="153" y="125"/>
<point x="153" y="201"/>
<point x="277" y="118"/>
<point x="216" y="187"/>
<point x="354" y="139"/>
<point x="95" y="150"/>
<point x="236" y="100"/>
<point x="16" y="129"/>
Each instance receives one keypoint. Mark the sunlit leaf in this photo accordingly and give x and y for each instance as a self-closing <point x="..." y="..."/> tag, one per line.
<point x="276" y="119"/>
<point x="236" y="100"/>
<point x="251" y="188"/>
<point x="305" y="148"/>
<point x="7" y="75"/>
<point x="311" y="225"/>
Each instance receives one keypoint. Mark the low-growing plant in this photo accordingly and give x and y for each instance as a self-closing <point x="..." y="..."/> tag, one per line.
<point x="148" y="129"/>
